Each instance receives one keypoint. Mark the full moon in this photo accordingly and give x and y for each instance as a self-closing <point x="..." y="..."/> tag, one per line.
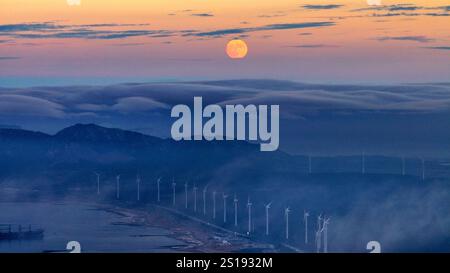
<point x="73" y="2"/>
<point x="374" y="2"/>
<point x="237" y="49"/>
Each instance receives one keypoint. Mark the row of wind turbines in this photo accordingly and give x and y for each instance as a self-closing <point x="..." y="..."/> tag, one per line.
<point x="364" y="169"/>
<point x="310" y="171"/>
<point x="320" y="233"/>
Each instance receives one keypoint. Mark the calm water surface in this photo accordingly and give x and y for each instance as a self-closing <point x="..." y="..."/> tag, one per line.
<point x="96" y="230"/>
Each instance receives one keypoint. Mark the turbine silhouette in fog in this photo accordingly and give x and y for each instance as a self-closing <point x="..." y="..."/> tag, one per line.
<point x="235" y="200"/>
<point x="195" y="197"/>
<point x="286" y="214"/>
<point x="214" y="204"/>
<point x="325" y="234"/>
<point x="309" y="164"/>
<point x="185" y="195"/>
<point x="423" y="169"/>
<point x="319" y="233"/>
<point x="174" y="185"/>
<point x="138" y="182"/>
<point x="118" y="187"/>
<point x="98" y="182"/>
<point x="204" y="199"/>
<point x="403" y="166"/>
<point x="158" y="184"/>
<point x="225" y="207"/>
<point x="363" y="162"/>
<point x="249" y="207"/>
<point x="305" y="219"/>
<point x="267" y="207"/>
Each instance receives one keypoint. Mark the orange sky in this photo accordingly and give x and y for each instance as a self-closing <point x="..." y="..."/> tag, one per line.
<point x="356" y="46"/>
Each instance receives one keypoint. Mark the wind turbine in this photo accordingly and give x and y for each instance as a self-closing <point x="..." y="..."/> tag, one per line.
<point x="309" y="164"/>
<point x="186" y="195"/>
<point x="174" y="185"/>
<point x="403" y="166"/>
<point x="118" y="187"/>
<point x="214" y="204"/>
<point x="286" y="214"/>
<point x="249" y="206"/>
<point x="158" y="182"/>
<point x="363" y="161"/>
<point x="235" y="200"/>
<point x="305" y="219"/>
<point x="195" y="198"/>
<point x="98" y="182"/>
<point x="204" y="199"/>
<point x="138" y="182"/>
<point x="225" y="207"/>
<point x="319" y="233"/>
<point x="423" y="169"/>
<point x="267" y="207"/>
<point x="326" y="221"/>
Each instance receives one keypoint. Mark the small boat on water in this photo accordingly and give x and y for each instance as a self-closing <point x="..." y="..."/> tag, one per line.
<point x="17" y="232"/>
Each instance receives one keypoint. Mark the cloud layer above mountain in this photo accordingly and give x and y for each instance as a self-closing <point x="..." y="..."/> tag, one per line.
<point x="295" y="98"/>
<point x="355" y="114"/>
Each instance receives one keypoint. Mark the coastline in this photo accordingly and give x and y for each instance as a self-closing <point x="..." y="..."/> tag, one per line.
<point x="198" y="236"/>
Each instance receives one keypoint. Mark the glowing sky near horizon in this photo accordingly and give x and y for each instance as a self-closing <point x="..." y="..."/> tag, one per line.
<point x="315" y="40"/>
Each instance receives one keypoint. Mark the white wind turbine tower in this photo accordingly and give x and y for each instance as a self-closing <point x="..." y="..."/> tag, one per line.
<point x="204" y="199"/>
<point x="225" y="207"/>
<point x="403" y="166"/>
<point x="195" y="198"/>
<point x="174" y="185"/>
<point x="267" y="207"/>
<point x="249" y="206"/>
<point x="363" y="161"/>
<point x="319" y="233"/>
<point x="309" y="164"/>
<point x="214" y="204"/>
<point x="98" y="182"/>
<point x="326" y="221"/>
<point x="158" y="184"/>
<point x="185" y="195"/>
<point x="423" y="169"/>
<point x="235" y="200"/>
<point x="305" y="219"/>
<point x="118" y="187"/>
<point x="138" y="182"/>
<point x="286" y="214"/>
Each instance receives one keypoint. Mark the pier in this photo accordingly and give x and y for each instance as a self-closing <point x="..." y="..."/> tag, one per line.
<point x="17" y="232"/>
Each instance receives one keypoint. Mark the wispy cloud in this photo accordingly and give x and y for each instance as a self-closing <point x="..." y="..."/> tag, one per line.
<point x="314" y="46"/>
<point x="6" y="58"/>
<point x="420" y="39"/>
<point x="322" y="7"/>
<point x="438" y="47"/>
<point x="222" y="32"/>
<point x="131" y="44"/>
<point x="202" y="14"/>
<point x="100" y="31"/>
<point x="396" y="7"/>
<point x="409" y="10"/>
<point x="92" y="31"/>
<point x="45" y="26"/>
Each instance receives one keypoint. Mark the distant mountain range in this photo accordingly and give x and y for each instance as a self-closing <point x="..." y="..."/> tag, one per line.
<point x="88" y="147"/>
